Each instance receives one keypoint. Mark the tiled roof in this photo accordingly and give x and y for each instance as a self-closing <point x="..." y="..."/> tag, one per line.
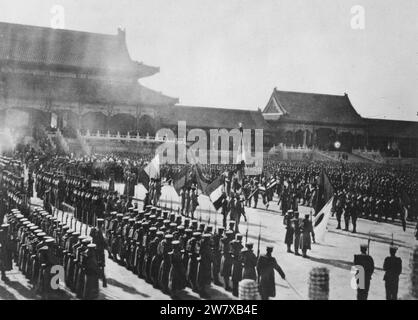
<point x="320" y="108"/>
<point x="68" y="49"/>
<point x="392" y="128"/>
<point x="204" y="117"/>
<point x="26" y="86"/>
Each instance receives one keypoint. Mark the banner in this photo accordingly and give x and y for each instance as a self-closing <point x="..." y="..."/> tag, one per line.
<point x="320" y="221"/>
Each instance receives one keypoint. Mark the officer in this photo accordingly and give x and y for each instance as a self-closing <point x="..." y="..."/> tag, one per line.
<point x="393" y="268"/>
<point x="366" y="262"/>
<point x="266" y="265"/>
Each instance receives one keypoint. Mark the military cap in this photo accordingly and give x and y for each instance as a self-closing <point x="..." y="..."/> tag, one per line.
<point x="163" y="228"/>
<point x="166" y="222"/>
<point x="229" y="232"/>
<point x="168" y="236"/>
<point x="160" y="234"/>
<point x="153" y="217"/>
<point x="238" y="236"/>
<point x="33" y="228"/>
<point x="119" y="215"/>
<point x="221" y="229"/>
<point x="269" y="248"/>
<point x="41" y="234"/>
<point x="5" y="225"/>
<point x="197" y="234"/>
<point x="91" y="246"/>
<point x="194" y="224"/>
<point x="49" y="240"/>
<point x="206" y="236"/>
<point x="100" y="220"/>
<point x="125" y="218"/>
<point x="189" y="231"/>
<point x="85" y="241"/>
<point x="180" y="227"/>
<point x="153" y="229"/>
<point x="363" y="246"/>
<point x="393" y="248"/>
<point x="44" y="249"/>
<point x="209" y="229"/>
<point x="173" y="225"/>
<point x="26" y="223"/>
<point x="175" y="243"/>
<point x="65" y="228"/>
<point x="70" y="231"/>
<point x="113" y="213"/>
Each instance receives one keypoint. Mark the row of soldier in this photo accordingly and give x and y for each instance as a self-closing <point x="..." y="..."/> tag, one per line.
<point x="40" y="245"/>
<point x="173" y="253"/>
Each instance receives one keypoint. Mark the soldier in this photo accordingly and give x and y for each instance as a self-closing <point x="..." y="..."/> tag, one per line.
<point x="157" y="257"/>
<point x="235" y="249"/>
<point x="367" y="263"/>
<point x="349" y="208"/>
<point x="90" y="289"/>
<point x="224" y="208"/>
<point x="6" y="262"/>
<point x="194" y="203"/>
<point x="288" y="239"/>
<point x="98" y="239"/>
<point x="177" y="275"/>
<point x="266" y="265"/>
<point x="165" y="249"/>
<point x="204" y="272"/>
<point x="339" y="205"/>
<point x="305" y="238"/>
<point x="216" y="255"/>
<point x="192" y="263"/>
<point x="297" y="228"/>
<point x="249" y="262"/>
<point x="393" y="268"/>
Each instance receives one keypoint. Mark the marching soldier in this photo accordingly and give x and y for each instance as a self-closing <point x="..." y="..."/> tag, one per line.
<point x="266" y="265"/>
<point x="367" y="263"/>
<point x="393" y="268"/>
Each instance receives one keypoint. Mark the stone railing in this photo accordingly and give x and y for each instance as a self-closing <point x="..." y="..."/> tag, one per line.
<point x="128" y="137"/>
<point x="373" y="155"/>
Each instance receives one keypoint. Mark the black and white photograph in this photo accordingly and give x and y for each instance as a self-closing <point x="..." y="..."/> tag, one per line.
<point x="230" y="152"/>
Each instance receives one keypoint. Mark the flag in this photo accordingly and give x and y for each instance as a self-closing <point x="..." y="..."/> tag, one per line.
<point x="143" y="178"/>
<point x="202" y="181"/>
<point x="320" y="221"/>
<point x="153" y="168"/>
<point x="181" y="178"/>
<point x="217" y="197"/>
<point x="214" y="185"/>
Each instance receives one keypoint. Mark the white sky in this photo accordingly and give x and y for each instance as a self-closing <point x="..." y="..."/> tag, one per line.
<point x="232" y="53"/>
